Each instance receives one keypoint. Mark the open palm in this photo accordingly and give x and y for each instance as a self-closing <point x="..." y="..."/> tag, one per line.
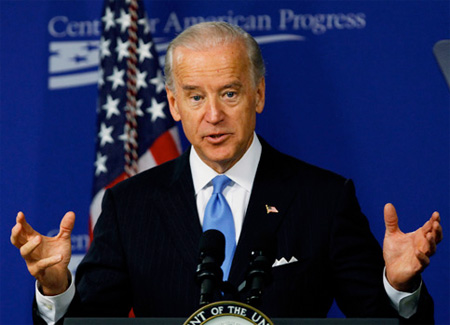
<point x="47" y="258"/>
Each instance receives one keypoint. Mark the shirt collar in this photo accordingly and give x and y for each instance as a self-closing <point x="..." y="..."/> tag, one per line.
<point x="243" y="172"/>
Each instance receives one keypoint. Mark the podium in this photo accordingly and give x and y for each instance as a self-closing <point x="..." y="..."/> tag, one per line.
<point x="229" y="312"/>
<point x="276" y="321"/>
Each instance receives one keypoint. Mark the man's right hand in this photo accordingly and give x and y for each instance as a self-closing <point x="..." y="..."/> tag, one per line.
<point x="47" y="258"/>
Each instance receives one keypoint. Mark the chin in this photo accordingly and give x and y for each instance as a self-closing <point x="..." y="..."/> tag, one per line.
<point x="221" y="159"/>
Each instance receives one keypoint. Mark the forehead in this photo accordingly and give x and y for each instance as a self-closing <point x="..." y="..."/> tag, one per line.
<point x="209" y="67"/>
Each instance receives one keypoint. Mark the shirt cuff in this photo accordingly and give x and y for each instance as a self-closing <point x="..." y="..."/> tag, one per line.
<point x="53" y="308"/>
<point x="405" y="303"/>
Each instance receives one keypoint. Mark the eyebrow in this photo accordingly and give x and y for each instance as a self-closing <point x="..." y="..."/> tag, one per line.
<point x="189" y="87"/>
<point x="236" y="84"/>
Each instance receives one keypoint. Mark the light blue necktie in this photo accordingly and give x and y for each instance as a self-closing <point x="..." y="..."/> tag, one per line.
<point x="218" y="216"/>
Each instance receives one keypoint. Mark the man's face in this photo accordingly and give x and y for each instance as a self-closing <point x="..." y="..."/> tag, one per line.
<point x="216" y="100"/>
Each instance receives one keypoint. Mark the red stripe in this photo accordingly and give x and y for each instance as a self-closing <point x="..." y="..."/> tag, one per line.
<point x="91" y="231"/>
<point x="164" y="148"/>
<point x="117" y="180"/>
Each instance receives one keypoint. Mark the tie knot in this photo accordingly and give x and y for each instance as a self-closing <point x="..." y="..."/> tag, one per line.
<point x="219" y="183"/>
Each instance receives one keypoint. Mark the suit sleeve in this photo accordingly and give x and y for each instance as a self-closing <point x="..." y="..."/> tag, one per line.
<point x="102" y="280"/>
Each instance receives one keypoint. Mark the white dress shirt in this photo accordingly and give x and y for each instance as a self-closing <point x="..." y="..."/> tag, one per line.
<point x="237" y="194"/>
<point x="238" y="191"/>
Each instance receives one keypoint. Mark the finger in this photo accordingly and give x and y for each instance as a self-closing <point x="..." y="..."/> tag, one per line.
<point x="26" y="226"/>
<point x="434" y="228"/>
<point x="427" y="226"/>
<point x="43" y="264"/>
<point x="16" y="234"/>
<point x="66" y="226"/>
<point x="390" y="219"/>
<point x="436" y="216"/>
<point x="423" y="259"/>
<point x="424" y="245"/>
<point x="30" y="246"/>
<point x="437" y="230"/>
<point x="432" y="245"/>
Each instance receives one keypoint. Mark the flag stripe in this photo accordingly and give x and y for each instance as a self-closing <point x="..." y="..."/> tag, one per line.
<point x="164" y="148"/>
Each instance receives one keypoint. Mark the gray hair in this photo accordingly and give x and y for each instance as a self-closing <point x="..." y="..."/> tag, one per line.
<point x="209" y="34"/>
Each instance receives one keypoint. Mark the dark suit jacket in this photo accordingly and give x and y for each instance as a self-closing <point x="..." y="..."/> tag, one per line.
<point x="145" y="250"/>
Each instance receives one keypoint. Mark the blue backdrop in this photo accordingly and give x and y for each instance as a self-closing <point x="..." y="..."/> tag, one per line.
<point x="352" y="86"/>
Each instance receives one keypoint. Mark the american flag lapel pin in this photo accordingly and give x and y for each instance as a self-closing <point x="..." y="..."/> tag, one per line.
<point x="271" y="209"/>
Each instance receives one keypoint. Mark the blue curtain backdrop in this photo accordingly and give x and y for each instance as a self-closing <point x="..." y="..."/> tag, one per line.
<point x="352" y="86"/>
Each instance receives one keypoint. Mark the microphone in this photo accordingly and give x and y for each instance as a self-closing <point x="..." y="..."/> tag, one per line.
<point x="209" y="272"/>
<point x="259" y="274"/>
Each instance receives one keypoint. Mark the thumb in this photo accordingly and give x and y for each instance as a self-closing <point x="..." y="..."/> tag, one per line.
<point x="390" y="219"/>
<point x="66" y="226"/>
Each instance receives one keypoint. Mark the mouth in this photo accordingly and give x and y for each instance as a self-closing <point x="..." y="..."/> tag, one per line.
<point x="217" y="138"/>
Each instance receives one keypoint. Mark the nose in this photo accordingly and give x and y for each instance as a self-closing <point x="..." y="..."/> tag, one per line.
<point x="214" y="111"/>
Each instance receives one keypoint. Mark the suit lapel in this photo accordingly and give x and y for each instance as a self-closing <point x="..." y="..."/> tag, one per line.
<point x="271" y="188"/>
<point x="181" y="217"/>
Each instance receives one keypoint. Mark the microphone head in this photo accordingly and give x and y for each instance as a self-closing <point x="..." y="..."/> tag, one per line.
<point x="212" y="244"/>
<point x="259" y="271"/>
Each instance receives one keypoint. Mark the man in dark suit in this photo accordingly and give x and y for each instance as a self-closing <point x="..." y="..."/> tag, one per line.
<point x="145" y="247"/>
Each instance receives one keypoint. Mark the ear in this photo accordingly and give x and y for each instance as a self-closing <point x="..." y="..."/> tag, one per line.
<point x="173" y="105"/>
<point x="261" y="95"/>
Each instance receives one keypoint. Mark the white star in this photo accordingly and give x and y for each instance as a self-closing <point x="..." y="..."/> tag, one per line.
<point x="122" y="49"/>
<point x="139" y="103"/>
<point x="124" y="20"/>
<point x="108" y="19"/>
<point x="111" y="107"/>
<point x="158" y="81"/>
<point x="141" y="80"/>
<point x="116" y="78"/>
<point x="125" y="137"/>
<point x="104" y="47"/>
<point x="100" y="164"/>
<point x="139" y="111"/>
<point x="105" y="134"/>
<point x="144" y="21"/>
<point x="156" y="110"/>
<point x="144" y="50"/>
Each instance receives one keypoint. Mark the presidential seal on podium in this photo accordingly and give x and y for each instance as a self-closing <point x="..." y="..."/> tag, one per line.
<point x="228" y="313"/>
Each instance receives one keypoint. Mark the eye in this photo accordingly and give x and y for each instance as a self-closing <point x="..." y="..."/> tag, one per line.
<point x="230" y="94"/>
<point x="196" y="98"/>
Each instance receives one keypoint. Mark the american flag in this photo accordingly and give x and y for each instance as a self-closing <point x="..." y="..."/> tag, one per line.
<point x="271" y="209"/>
<point x="135" y="128"/>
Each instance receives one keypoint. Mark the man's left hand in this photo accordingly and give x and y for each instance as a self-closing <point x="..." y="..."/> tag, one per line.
<point x="407" y="255"/>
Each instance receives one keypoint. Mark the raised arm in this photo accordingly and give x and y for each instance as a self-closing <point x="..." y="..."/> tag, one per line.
<point x="47" y="258"/>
